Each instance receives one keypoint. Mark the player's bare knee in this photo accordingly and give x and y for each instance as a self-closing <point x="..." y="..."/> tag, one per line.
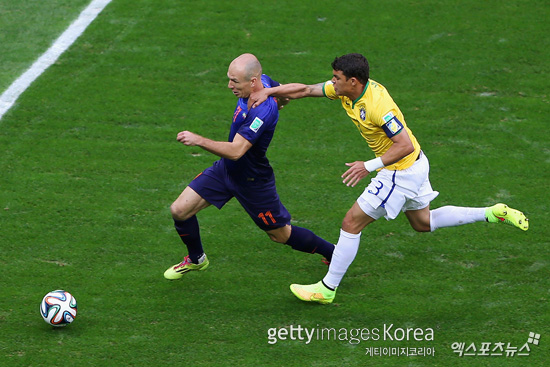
<point x="350" y="225"/>
<point x="280" y="235"/>
<point x="275" y="238"/>
<point x="178" y="213"/>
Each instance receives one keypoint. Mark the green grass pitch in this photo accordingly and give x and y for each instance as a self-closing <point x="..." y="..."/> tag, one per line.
<point x="89" y="165"/>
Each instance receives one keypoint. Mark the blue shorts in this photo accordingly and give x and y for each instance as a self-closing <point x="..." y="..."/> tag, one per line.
<point x="259" y="197"/>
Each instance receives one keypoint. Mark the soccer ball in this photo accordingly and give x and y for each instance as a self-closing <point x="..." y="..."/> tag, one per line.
<point x="58" y="308"/>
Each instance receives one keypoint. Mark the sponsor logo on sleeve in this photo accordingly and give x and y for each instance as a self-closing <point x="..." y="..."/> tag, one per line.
<point x="394" y="126"/>
<point x="387" y="117"/>
<point x="256" y="124"/>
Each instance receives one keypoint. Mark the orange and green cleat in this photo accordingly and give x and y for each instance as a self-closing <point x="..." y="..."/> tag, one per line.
<point x="313" y="293"/>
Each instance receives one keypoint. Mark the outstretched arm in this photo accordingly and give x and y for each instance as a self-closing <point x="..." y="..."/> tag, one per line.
<point x="291" y="91"/>
<point x="401" y="147"/>
<point x="232" y="150"/>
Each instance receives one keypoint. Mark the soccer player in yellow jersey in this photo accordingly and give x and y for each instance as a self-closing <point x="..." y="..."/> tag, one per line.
<point x="402" y="170"/>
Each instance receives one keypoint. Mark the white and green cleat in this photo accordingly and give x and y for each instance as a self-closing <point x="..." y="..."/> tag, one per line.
<point x="313" y="293"/>
<point x="502" y="213"/>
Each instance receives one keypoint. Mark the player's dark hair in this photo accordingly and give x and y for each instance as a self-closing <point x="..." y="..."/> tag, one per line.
<point x="353" y="66"/>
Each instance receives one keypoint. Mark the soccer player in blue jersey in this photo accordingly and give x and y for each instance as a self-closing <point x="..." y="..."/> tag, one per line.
<point x="243" y="172"/>
<point x="402" y="170"/>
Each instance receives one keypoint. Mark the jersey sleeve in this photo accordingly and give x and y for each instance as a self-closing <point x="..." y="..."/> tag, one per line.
<point x="268" y="82"/>
<point x="256" y="121"/>
<point x="386" y="114"/>
<point x="328" y="90"/>
<point x="390" y="123"/>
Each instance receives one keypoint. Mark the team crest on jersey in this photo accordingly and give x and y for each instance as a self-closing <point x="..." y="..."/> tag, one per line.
<point x="256" y="124"/>
<point x="363" y="113"/>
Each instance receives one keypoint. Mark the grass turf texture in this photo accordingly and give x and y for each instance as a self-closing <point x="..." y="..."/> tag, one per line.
<point x="90" y="165"/>
<point x="28" y="29"/>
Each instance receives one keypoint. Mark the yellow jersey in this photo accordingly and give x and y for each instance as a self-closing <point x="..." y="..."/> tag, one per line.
<point x="378" y="118"/>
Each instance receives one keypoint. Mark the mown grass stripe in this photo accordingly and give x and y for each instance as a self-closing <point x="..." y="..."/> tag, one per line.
<point x="67" y="38"/>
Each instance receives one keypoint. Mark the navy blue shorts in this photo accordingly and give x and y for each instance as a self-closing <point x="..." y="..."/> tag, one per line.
<point x="259" y="198"/>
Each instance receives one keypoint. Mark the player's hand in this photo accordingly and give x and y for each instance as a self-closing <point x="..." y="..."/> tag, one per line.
<point x="259" y="97"/>
<point x="355" y="173"/>
<point x="188" y="138"/>
<point x="281" y="102"/>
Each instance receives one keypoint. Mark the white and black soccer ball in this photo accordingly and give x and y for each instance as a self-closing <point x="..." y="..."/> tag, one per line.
<point x="58" y="308"/>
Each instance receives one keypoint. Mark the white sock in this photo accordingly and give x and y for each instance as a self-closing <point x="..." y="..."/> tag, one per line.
<point x="451" y="216"/>
<point x="342" y="257"/>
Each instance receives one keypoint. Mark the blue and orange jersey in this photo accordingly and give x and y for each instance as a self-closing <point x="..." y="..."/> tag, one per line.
<point x="257" y="126"/>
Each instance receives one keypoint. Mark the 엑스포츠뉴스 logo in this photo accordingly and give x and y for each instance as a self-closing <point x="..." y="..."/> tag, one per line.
<point x="496" y="349"/>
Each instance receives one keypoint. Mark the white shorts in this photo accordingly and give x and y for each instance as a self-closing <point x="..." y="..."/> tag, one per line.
<point x="390" y="192"/>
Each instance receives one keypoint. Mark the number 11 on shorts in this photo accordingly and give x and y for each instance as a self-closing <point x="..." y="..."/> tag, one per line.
<point x="265" y="216"/>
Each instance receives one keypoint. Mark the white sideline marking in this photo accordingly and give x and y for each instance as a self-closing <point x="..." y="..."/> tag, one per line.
<point x="8" y="98"/>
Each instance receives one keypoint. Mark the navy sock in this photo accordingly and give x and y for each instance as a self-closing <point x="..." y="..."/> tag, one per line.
<point x="190" y="235"/>
<point x="304" y="240"/>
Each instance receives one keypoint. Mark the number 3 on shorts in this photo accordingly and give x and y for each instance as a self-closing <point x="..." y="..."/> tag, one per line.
<point x="378" y="188"/>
